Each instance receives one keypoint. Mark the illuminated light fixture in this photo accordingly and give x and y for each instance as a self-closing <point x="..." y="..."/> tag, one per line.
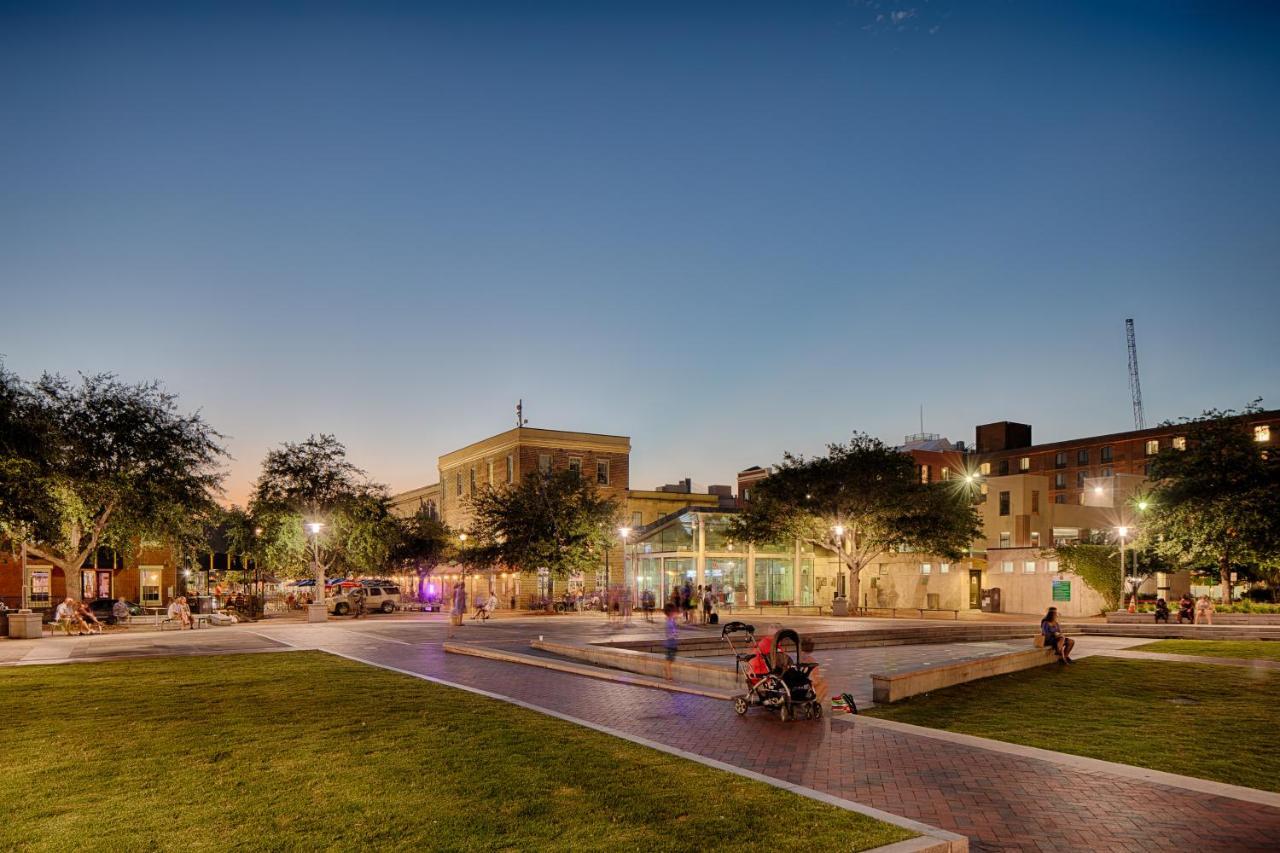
<point x="1142" y="505"/>
<point x="624" y="532"/>
<point x="1123" y="531"/>
<point x="838" y="530"/>
<point x="314" y="527"/>
<point x="1097" y="490"/>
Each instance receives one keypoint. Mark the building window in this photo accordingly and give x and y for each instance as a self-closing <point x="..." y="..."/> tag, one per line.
<point x="1024" y="464"/>
<point x="1059" y="499"/>
<point x="575" y="464"/>
<point x="924" y="473"/>
<point x="1106" y="471"/>
<point x="1035" y="539"/>
<point x="985" y="469"/>
<point x="511" y="468"/>
<point x="925" y="568"/>
<point x="490" y="468"/>
<point x="1029" y="567"/>
<point x="1153" y="447"/>
<point x="1106" y="453"/>
<point x="982" y="488"/>
<point x="1035" y="502"/>
<point x="150" y="586"/>
<point x="1180" y="443"/>
<point x="944" y="568"/>
<point x="1059" y="481"/>
<point x="1004" y="467"/>
<point x="637" y="519"/>
<point x="1082" y="457"/>
<point x="1060" y="459"/>
<point x="459" y="479"/>
<point x="946" y="473"/>
<point x="471" y="484"/>
<point x="40" y="588"/>
<point x="1004" y="503"/>
<point x="1080" y="476"/>
<point x="602" y="472"/>
<point x="1007" y="567"/>
<point x="1262" y="433"/>
<point x="544" y="463"/>
<point x="1146" y="469"/>
<point x="746" y="495"/>
<point x="1004" y="540"/>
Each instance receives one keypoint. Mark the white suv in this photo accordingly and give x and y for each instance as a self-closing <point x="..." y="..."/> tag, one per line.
<point x="383" y="597"/>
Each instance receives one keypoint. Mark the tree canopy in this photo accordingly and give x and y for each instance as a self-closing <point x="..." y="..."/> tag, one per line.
<point x="1214" y="503"/>
<point x="312" y="482"/>
<point x="112" y="463"/>
<point x="557" y="521"/>
<point x="861" y="500"/>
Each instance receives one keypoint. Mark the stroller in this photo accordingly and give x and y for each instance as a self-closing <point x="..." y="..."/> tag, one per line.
<point x="784" y="686"/>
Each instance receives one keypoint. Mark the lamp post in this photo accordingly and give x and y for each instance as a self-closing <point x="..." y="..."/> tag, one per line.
<point x="1122" y="532"/>
<point x="624" y="533"/>
<point x="839" y="604"/>
<point x="317" y="611"/>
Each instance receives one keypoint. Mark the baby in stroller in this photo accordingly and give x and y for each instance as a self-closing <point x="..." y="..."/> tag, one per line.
<point x="775" y="676"/>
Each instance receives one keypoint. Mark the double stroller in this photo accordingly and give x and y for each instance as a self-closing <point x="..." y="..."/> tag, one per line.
<point x="774" y="679"/>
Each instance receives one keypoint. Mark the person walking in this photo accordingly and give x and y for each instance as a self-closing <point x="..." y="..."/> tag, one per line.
<point x="459" y="608"/>
<point x="491" y="606"/>
<point x="358" y="602"/>
<point x="686" y="602"/>
<point x="708" y="602"/>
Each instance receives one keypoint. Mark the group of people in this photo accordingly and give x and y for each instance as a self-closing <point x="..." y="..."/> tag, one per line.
<point x="1196" y="611"/>
<point x="72" y="615"/>
<point x="180" y="612"/>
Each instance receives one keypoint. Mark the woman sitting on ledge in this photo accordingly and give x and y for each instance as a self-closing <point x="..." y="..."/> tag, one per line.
<point x="1053" y="637"/>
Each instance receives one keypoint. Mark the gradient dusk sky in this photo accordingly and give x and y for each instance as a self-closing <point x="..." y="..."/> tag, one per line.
<point x="724" y="229"/>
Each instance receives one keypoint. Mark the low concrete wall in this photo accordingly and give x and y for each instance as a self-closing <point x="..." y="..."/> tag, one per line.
<point x="1174" y="631"/>
<point x="900" y="685"/>
<point x="644" y="663"/>
<point x="698" y="645"/>
<point x="1218" y="618"/>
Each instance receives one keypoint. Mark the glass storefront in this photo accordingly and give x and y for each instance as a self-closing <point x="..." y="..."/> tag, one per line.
<point x="715" y="531"/>
<point x="647" y="575"/>
<point x="674" y="537"/>
<point x="774" y="583"/>
<point x="676" y="571"/>
<point x="727" y="579"/>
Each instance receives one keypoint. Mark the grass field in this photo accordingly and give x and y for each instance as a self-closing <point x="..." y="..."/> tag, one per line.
<point x="1214" y="722"/>
<point x="306" y="751"/>
<point x="1259" y="649"/>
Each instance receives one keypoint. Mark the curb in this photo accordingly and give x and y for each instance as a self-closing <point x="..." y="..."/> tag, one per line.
<point x="584" y="670"/>
<point x="933" y="838"/>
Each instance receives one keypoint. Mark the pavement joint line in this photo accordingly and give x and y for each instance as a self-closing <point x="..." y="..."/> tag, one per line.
<point x="585" y="670"/>
<point x="1170" y="657"/>
<point x="956" y="843"/>
<point x="1080" y="762"/>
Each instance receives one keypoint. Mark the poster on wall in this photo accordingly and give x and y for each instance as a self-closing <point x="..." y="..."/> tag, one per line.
<point x="1062" y="590"/>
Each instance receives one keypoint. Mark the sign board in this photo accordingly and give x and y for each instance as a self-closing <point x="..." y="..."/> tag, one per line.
<point x="1062" y="590"/>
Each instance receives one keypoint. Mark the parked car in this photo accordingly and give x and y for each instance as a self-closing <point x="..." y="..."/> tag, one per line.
<point x="102" y="608"/>
<point x="383" y="598"/>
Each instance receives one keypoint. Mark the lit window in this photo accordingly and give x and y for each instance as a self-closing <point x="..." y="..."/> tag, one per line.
<point x="1053" y="567"/>
<point x="1153" y="447"/>
<point x="944" y="568"/>
<point x="1262" y="432"/>
<point x="946" y="473"/>
<point x="1007" y="567"/>
<point x="1029" y="567"/>
<point x="1024" y="464"/>
<point x="544" y="462"/>
<point x="602" y="472"/>
<point x="925" y="568"/>
<point x="1035" y="539"/>
<point x="1180" y="443"/>
<point x="636" y="519"/>
<point x="983" y="488"/>
<point x="924" y="473"/>
<point x="984" y="469"/>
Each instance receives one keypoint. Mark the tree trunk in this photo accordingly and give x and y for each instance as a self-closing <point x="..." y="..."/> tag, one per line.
<point x="1224" y="577"/>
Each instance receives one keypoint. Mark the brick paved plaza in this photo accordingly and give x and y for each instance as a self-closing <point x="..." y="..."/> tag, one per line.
<point x="1001" y="797"/>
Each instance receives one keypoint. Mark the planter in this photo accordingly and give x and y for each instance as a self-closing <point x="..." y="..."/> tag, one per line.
<point x="24" y="625"/>
<point x="1121" y="618"/>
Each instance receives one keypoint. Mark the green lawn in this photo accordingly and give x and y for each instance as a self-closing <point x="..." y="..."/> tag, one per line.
<point x="306" y="751"/>
<point x="1260" y="649"/>
<point x="1214" y="722"/>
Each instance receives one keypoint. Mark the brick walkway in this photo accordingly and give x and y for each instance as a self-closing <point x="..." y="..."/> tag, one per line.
<point x="1001" y="801"/>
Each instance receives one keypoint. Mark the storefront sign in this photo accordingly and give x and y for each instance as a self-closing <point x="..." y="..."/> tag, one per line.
<point x="1062" y="590"/>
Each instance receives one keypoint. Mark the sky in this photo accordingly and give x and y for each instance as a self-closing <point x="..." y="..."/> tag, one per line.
<point x="727" y="230"/>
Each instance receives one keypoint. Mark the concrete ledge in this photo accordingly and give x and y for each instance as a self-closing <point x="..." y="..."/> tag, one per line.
<point x="1267" y="619"/>
<point x="645" y="663"/>
<point x="701" y="644"/>
<point x="899" y="685"/>
<point x="584" y="670"/>
<point x="1174" y="631"/>
<point x="922" y="844"/>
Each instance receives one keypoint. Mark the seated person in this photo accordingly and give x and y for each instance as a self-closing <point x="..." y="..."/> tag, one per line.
<point x="1186" y="608"/>
<point x="1162" y="610"/>
<point x="1054" y="638"/>
<point x="815" y="678"/>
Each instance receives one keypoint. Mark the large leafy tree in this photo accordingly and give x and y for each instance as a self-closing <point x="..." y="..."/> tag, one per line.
<point x="557" y="521"/>
<point x="312" y="482"/>
<point x="860" y="501"/>
<point x="1214" y="503"/>
<point x="115" y="462"/>
<point x="424" y="542"/>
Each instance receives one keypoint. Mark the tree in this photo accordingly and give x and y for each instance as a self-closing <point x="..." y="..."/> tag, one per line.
<point x="860" y="501"/>
<point x="423" y="543"/>
<point x="557" y="521"/>
<point x="1098" y="566"/>
<point x="312" y="482"/>
<point x="1213" y="504"/>
<point x="27" y="505"/>
<point x="116" y="463"/>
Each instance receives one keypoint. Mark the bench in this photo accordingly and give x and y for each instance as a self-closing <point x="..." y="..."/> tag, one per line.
<point x="893" y="611"/>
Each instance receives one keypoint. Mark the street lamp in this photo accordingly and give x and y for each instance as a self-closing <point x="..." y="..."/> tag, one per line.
<point x="840" y="604"/>
<point x="1122" y="532"/>
<point x="317" y="611"/>
<point x="624" y="533"/>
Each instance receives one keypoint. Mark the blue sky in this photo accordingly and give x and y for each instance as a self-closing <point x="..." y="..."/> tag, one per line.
<point x="726" y="230"/>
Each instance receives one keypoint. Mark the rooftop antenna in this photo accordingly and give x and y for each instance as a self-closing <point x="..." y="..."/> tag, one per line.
<point x="521" y="420"/>
<point x="1135" y="387"/>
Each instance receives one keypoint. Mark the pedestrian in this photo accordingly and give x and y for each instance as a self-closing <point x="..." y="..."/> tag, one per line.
<point x="626" y="605"/>
<point x="686" y="601"/>
<point x="647" y="604"/>
<point x="708" y="602"/>
<point x="358" y="602"/>
<point x="480" y="609"/>
<point x="491" y="605"/>
<point x="672" y="643"/>
<point x="459" y="608"/>
<point x="65" y="614"/>
<point x="815" y="678"/>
